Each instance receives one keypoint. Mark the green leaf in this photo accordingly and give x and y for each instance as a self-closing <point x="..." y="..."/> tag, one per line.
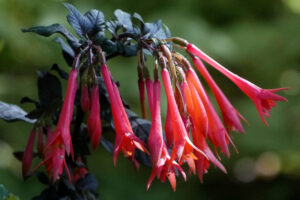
<point x="152" y="28"/>
<point x="138" y="17"/>
<point x="124" y="19"/>
<point x="80" y="23"/>
<point x="54" y="28"/>
<point x="49" y="89"/>
<point x="97" y="21"/>
<point x="68" y="52"/>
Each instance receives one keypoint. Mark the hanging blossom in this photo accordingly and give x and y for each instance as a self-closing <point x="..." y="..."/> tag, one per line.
<point x="263" y="99"/>
<point x="162" y="164"/>
<point x="59" y="143"/>
<point x="192" y="122"/>
<point x="191" y="125"/>
<point x="125" y="140"/>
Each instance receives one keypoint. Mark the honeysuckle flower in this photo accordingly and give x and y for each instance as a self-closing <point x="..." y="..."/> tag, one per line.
<point x="94" y="121"/>
<point x="230" y="115"/>
<point x="85" y="99"/>
<point x="183" y="146"/>
<point x="155" y="139"/>
<point x="195" y="107"/>
<point x="263" y="99"/>
<point x="216" y="131"/>
<point x="161" y="160"/>
<point x="66" y="115"/>
<point x="28" y="154"/>
<point x="125" y="140"/>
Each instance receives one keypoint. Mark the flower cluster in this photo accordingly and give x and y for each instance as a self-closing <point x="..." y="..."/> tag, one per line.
<point x="192" y="123"/>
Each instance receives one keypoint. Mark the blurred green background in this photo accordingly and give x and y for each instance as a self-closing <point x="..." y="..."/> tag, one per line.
<point x="258" y="39"/>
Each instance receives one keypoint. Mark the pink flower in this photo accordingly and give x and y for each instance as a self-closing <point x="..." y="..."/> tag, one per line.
<point x="66" y="115"/>
<point x="94" y="121"/>
<point x="230" y="115"/>
<point x="59" y="142"/>
<point x="161" y="161"/>
<point x="125" y="140"/>
<point x="216" y="131"/>
<point x="183" y="146"/>
<point x="263" y="99"/>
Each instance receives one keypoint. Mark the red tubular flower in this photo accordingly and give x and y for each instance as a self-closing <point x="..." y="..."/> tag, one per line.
<point x="230" y="115"/>
<point x="169" y="128"/>
<point x="141" y="84"/>
<point x="263" y="99"/>
<point x="27" y="156"/>
<point x="125" y="140"/>
<point x="183" y="147"/>
<point x="94" y="121"/>
<point x="155" y="139"/>
<point x="199" y="126"/>
<point x="161" y="161"/>
<point x="195" y="108"/>
<point x="85" y="99"/>
<point x="59" y="142"/>
<point x="216" y="132"/>
<point x="65" y="117"/>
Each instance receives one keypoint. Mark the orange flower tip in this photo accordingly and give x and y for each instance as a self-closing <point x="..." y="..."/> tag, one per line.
<point x="196" y="149"/>
<point x="172" y="179"/>
<point x="141" y="147"/>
